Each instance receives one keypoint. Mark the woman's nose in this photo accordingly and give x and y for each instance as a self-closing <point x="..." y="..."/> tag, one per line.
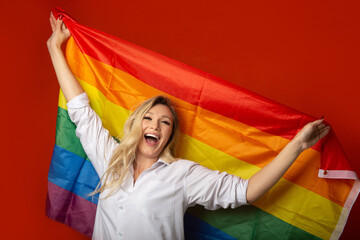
<point x="155" y="125"/>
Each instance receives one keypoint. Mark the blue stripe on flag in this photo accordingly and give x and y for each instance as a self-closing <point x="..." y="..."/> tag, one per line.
<point x="73" y="173"/>
<point x="197" y="229"/>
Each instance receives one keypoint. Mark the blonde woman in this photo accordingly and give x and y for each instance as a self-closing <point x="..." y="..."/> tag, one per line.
<point x="144" y="190"/>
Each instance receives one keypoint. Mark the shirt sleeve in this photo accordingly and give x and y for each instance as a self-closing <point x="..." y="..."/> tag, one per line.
<point x="98" y="144"/>
<point x="214" y="189"/>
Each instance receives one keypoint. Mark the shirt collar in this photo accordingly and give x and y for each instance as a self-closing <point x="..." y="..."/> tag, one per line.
<point x="161" y="161"/>
<point x="158" y="163"/>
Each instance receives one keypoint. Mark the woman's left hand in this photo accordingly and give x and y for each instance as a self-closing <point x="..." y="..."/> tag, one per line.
<point x="311" y="134"/>
<point x="60" y="33"/>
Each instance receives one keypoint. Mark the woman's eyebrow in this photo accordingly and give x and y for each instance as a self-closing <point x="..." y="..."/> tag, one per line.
<point x="165" y="116"/>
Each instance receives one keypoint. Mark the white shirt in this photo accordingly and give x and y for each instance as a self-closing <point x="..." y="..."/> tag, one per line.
<point x="153" y="207"/>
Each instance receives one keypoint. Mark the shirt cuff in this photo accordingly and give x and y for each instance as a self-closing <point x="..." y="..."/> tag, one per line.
<point x="79" y="101"/>
<point x="243" y="192"/>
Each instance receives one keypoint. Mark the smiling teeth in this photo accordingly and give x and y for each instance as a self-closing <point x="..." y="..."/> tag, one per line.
<point x="151" y="135"/>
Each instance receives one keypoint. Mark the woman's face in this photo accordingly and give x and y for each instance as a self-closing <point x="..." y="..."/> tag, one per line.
<point x="156" y="127"/>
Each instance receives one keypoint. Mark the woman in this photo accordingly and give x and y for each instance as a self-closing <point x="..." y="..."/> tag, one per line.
<point x="144" y="190"/>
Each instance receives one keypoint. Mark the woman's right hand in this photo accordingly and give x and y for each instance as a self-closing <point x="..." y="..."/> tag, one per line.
<point x="60" y="33"/>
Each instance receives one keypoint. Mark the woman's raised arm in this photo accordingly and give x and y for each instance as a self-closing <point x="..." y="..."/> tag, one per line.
<point x="68" y="83"/>
<point x="263" y="180"/>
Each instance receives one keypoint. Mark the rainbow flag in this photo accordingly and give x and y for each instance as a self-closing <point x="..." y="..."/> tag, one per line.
<point x="224" y="127"/>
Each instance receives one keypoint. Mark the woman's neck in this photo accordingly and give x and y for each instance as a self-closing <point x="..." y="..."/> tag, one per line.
<point x="141" y="164"/>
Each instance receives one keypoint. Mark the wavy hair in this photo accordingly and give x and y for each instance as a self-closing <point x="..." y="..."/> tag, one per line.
<point x="125" y="154"/>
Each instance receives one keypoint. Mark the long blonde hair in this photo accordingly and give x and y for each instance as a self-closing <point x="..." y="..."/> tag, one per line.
<point x="125" y="154"/>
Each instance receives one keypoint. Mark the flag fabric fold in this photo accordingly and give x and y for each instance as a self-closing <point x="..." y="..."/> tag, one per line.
<point x="223" y="127"/>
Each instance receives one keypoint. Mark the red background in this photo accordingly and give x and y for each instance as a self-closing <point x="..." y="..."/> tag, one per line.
<point x="304" y="54"/>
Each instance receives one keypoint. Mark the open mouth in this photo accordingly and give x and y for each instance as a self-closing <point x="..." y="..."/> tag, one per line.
<point x="151" y="139"/>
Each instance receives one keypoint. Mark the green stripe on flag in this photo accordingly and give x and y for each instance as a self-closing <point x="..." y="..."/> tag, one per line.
<point x="250" y="222"/>
<point x="65" y="134"/>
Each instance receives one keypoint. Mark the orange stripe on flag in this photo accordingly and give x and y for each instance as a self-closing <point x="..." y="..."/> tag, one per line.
<point x="232" y="137"/>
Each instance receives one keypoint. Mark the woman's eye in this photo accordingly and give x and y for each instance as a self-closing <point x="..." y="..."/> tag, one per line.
<point x="166" y="122"/>
<point x="147" y="118"/>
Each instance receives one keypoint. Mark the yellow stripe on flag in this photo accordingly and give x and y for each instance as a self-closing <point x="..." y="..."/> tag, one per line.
<point x="287" y="201"/>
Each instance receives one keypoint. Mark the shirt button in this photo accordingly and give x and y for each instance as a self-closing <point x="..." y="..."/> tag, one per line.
<point x="121" y="207"/>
